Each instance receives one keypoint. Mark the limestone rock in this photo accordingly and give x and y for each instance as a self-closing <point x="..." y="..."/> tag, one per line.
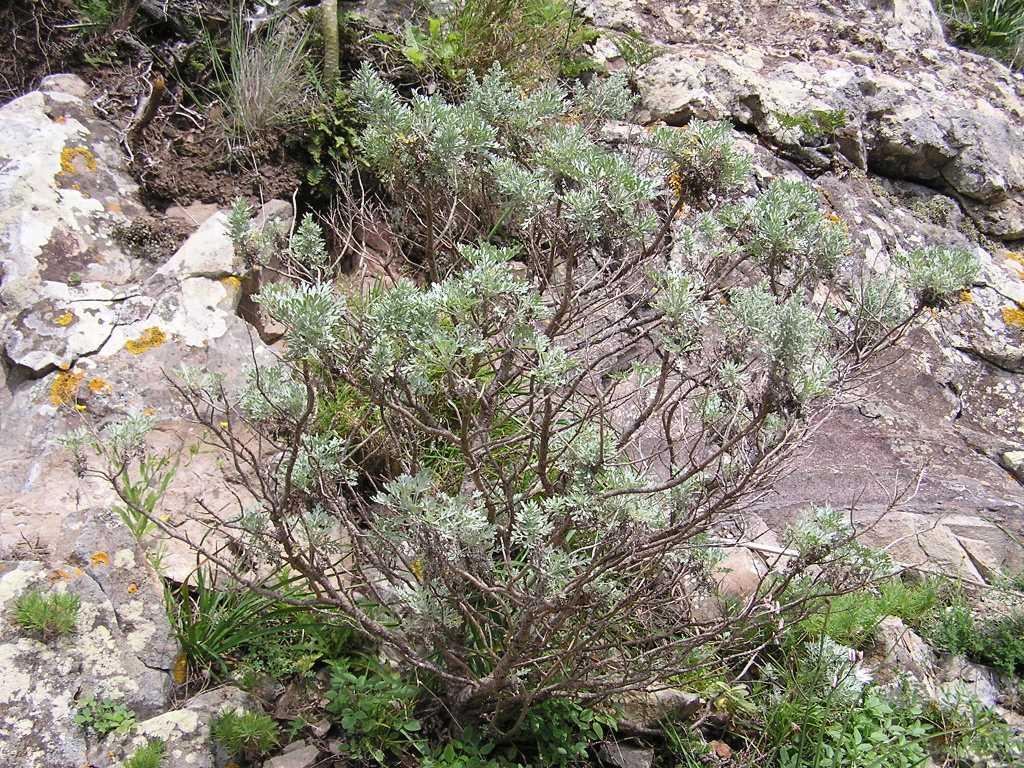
<point x="185" y="731"/>
<point x="646" y="709"/>
<point x="902" y="652"/>
<point x="619" y="755"/>
<point x="296" y="755"/>
<point x="740" y="573"/>
<point x="108" y="656"/>
<point x="89" y="332"/>
<point x="982" y="683"/>
<point x="64" y="186"/>
<point x="951" y="123"/>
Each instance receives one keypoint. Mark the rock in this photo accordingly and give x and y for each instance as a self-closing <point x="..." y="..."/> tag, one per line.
<point x="193" y="215"/>
<point x="981" y="682"/>
<point x="1014" y="462"/>
<point x="645" y="709"/>
<point x="208" y="252"/>
<point x="185" y="731"/>
<point x="296" y="755"/>
<point x="740" y="573"/>
<point x="88" y="330"/>
<point x="902" y="653"/>
<point x="625" y="756"/>
<point x="955" y="124"/>
<point x="64" y="187"/>
<point x="321" y="727"/>
<point x="109" y="655"/>
<point x="918" y="22"/>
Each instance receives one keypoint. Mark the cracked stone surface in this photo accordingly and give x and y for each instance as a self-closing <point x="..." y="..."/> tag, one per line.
<point x="89" y="333"/>
<point x="931" y="152"/>
<point x="185" y="731"/>
<point x="122" y="648"/>
<point x="914" y="108"/>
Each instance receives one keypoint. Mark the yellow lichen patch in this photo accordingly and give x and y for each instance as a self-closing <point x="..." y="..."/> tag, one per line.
<point x="147" y="340"/>
<point x="1018" y="258"/>
<point x="64" y="389"/>
<point x="98" y="386"/>
<point x="133" y="588"/>
<point x="99" y="558"/>
<point x="61" y="575"/>
<point x="80" y="407"/>
<point x="149" y="411"/>
<point x="180" y="671"/>
<point x="966" y="297"/>
<point x="675" y="181"/>
<point x="77" y="159"/>
<point x="231" y="282"/>
<point x="416" y="566"/>
<point x="1013" y="316"/>
<point x="65" y="319"/>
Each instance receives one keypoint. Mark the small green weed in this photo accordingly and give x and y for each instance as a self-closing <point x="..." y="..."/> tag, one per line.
<point x="533" y="41"/>
<point x="46" y="616"/>
<point x="149" y="755"/>
<point x="635" y="49"/>
<point x="331" y="133"/>
<point x="142" y="493"/>
<point x="103" y="716"/>
<point x="100" y="14"/>
<point x="464" y="753"/>
<point x="375" y="707"/>
<point x="246" y="734"/>
<point x="992" y="27"/>
<point x="996" y="641"/>
<point x="814" y="123"/>
<point x="215" y="627"/>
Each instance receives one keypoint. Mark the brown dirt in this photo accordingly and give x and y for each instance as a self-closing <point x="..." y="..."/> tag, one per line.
<point x="33" y="44"/>
<point x="179" y="163"/>
<point x="182" y="156"/>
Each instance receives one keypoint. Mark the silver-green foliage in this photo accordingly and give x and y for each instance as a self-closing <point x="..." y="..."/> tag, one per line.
<point x="934" y="272"/>
<point x="596" y="354"/>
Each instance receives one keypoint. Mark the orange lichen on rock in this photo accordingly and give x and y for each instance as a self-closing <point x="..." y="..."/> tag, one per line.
<point x="180" y="672"/>
<point x="65" y="319"/>
<point x="966" y="297"/>
<point x="1013" y="316"/>
<point x="231" y="282"/>
<point x="99" y="558"/>
<point x="77" y="159"/>
<point x="1018" y="258"/>
<point x="147" y="340"/>
<point x="98" y="386"/>
<point x="64" y="389"/>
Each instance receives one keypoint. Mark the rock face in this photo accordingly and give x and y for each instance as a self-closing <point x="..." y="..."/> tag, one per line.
<point x="185" y="731"/>
<point x="911" y="142"/>
<point x="90" y="331"/>
<point x="122" y="648"/>
<point x="908" y="106"/>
